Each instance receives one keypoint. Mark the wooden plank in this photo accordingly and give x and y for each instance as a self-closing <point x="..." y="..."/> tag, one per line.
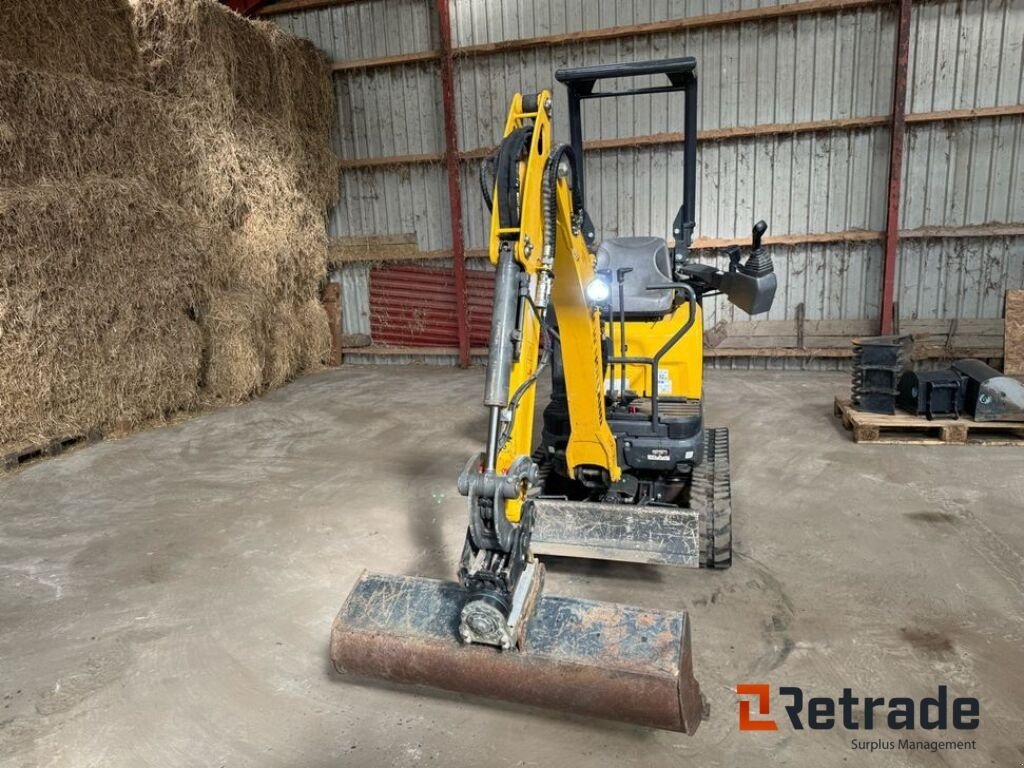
<point x="781" y="240"/>
<point x="857" y="235"/>
<point x="17" y="456"/>
<point x="386" y="61"/>
<point x="1013" y="344"/>
<point x="360" y="163"/>
<point x="769" y="352"/>
<point x="972" y="325"/>
<point x="373" y="248"/>
<point x="355" y="340"/>
<point x="845" y="236"/>
<point x="713" y="134"/>
<point x="734" y="132"/>
<point x="906" y="429"/>
<point x="772" y="328"/>
<point x="377" y="350"/>
<point x="965" y="114"/>
<point x="933" y="337"/>
<point x="671" y="25"/>
<point x="789" y="352"/>
<point x="971" y="230"/>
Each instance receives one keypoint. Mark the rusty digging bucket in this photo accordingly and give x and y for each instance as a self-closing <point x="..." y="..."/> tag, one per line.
<point x="595" y="659"/>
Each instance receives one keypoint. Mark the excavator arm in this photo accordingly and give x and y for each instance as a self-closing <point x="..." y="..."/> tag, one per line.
<point x="542" y="264"/>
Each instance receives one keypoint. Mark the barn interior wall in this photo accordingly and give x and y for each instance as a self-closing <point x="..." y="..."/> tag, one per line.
<point x="833" y="67"/>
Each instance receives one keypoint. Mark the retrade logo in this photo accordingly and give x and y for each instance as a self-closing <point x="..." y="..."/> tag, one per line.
<point x="762" y="694"/>
<point x="854" y="713"/>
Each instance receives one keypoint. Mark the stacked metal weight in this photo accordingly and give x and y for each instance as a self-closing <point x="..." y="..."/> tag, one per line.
<point x="878" y="363"/>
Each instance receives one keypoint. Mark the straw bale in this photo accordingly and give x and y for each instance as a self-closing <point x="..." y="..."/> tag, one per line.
<point x="56" y="127"/>
<point x="99" y="286"/>
<point x="232" y="369"/>
<point x="86" y="37"/>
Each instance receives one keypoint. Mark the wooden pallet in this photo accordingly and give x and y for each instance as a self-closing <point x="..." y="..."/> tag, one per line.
<point x="32" y="452"/>
<point x="906" y="429"/>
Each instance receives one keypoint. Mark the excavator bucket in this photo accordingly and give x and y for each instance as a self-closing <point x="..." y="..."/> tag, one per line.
<point x="595" y="659"/>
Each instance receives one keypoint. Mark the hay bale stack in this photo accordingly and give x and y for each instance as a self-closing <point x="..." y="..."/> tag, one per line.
<point x="163" y="240"/>
<point x="83" y="37"/>
<point x="99" y="285"/>
<point x="247" y="80"/>
<point x="102" y="271"/>
<point x="57" y="126"/>
<point x="199" y="50"/>
<point x="258" y="107"/>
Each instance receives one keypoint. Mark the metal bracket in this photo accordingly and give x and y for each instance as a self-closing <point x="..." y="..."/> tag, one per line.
<point x="482" y="621"/>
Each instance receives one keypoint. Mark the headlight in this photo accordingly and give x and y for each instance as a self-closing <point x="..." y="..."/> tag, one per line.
<point x="598" y="291"/>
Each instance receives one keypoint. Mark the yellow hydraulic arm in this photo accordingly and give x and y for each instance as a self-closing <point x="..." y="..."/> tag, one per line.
<point x="541" y="262"/>
<point x="546" y="270"/>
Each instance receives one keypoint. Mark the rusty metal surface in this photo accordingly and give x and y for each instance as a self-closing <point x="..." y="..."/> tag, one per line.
<point x="595" y="659"/>
<point x="622" y="532"/>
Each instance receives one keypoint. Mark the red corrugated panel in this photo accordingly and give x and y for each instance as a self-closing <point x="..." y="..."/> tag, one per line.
<point x="415" y="307"/>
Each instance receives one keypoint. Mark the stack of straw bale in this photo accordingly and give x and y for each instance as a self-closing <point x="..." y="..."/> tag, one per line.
<point x="257" y="105"/>
<point x="162" y="234"/>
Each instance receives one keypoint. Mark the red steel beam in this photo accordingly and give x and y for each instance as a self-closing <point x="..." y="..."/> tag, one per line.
<point x="451" y="143"/>
<point x="897" y="134"/>
<point x="245" y="7"/>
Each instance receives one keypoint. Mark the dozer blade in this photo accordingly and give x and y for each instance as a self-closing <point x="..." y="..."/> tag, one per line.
<point x="595" y="659"/>
<point x="623" y="532"/>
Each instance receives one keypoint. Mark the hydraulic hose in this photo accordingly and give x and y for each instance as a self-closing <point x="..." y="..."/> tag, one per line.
<point x="507" y="176"/>
<point x="487" y="174"/>
<point x="550" y="199"/>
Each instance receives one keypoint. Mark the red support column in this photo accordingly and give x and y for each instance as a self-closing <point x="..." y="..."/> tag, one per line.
<point x="897" y="134"/>
<point x="451" y="144"/>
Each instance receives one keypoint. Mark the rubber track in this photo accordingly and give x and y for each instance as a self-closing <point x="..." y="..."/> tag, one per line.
<point x="711" y="494"/>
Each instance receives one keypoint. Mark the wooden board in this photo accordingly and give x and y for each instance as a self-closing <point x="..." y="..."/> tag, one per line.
<point x="379" y="350"/>
<point x="374" y="248"/>
<point x="906" y="429"/>
<point x="1013" y="334"/>
<point x="933" y="338"/>
<point x="19" y="456"/>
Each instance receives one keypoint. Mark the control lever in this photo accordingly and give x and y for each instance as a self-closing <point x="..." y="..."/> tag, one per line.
<point x="758" y="232"/>
<point x="733" y="252"/>
<point x="759" y="263"/>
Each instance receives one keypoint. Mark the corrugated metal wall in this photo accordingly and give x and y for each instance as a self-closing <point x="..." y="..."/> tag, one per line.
<point x="965" y="54"/>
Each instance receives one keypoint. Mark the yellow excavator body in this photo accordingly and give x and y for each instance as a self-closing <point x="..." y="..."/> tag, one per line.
<point x="624" y="468"/>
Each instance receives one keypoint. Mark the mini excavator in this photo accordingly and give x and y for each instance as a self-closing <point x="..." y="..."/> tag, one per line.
<point x="625" y="468"/>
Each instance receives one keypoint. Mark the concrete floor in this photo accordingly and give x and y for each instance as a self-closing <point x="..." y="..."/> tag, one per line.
<point x="165" y="599"/>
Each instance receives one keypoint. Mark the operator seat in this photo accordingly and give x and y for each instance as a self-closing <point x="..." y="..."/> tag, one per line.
<point x="652" y="265"/>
